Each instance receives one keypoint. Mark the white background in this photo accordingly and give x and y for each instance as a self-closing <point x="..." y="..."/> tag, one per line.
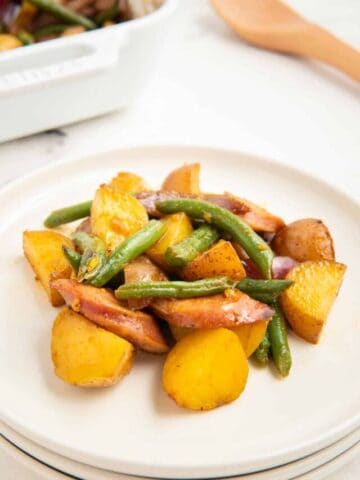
<point x="212" y="89"/>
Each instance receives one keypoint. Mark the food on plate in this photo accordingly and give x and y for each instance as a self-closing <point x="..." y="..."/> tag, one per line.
<point x="305" y="239"/>
<point x="177" y="228"/>
<point x="199" y="241"/>
<point x="30" y="21"/>
<point x="185" y="273"/>
<point x="115" y="215"/>
<point x="87" y="355"/>
<point x="43" y="249"/>
<point x="254" y="245"/>
<point x="307" y="302"/>
<point x="185" y="179"/>
<point x="101" y="306"/>
<point x="201" y="381"/>
<point x="219" y="260"/>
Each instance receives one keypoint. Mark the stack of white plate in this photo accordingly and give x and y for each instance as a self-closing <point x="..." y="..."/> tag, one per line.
<point x="301" y="427"/>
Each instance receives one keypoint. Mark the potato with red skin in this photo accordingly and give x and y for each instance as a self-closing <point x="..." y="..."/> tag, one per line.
<point x="101" y="307"/>
<point x="206" y="369"/>
<point x="303" y="240"/>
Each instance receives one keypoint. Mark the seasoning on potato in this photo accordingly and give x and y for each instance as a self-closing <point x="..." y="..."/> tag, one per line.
<point x="206" y="369"/>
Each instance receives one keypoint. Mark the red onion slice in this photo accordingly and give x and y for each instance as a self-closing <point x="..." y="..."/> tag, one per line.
<point x="281" y="266"/>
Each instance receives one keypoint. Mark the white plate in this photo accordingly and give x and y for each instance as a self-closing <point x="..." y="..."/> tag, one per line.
<point x="284" y="472"/>
<point x="134" y="428"/>
<point x="24" y="466"/>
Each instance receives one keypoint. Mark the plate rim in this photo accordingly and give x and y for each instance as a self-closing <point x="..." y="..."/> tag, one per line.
<point x="302" y="449"/>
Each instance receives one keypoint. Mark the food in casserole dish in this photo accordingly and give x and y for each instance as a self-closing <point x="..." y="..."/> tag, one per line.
<point x="30" y="21"/>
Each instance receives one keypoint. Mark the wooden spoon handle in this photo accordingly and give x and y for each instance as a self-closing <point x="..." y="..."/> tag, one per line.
<point x="319" y="44"/>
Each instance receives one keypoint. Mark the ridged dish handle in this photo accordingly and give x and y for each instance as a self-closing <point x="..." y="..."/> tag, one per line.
<point x="96" y="57"/>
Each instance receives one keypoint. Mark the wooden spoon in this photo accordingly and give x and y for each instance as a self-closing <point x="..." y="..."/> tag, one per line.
<point x="273" y="25"/>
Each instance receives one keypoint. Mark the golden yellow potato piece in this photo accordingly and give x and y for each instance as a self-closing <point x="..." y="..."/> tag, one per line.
<point x="129" y="183"/>
<point x="87" y="355"/>
<point x="251" y="336"/>
<point x="183" y="180"/>
<point x="178" y="227"/>
<point x="305" y="239"/>
<point x="43" y="249"/>
<point x="220" y="260"/>
<point x="206" y="369"/>
<point x="307" y="302"/>
<point x="116" y="215"/>
<point x="8" y="42"/>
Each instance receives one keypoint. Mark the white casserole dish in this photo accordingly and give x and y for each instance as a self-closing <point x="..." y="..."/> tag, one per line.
<point x="54" y="83"/>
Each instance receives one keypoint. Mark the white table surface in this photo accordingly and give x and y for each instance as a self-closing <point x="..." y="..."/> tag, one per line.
<point x="212" y="89"/>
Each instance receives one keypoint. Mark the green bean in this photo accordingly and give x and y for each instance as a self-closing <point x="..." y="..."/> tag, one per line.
<point x="269" y="289"/>
<point x="200" y="288"/>
<point x="83" y="241"/>
<point x="25" y="37"/>
<point x="68" y="214"/>
<point x="280" y="350"/>
<point x="176" y="289"/>
<point x="181" y="253"/>
<point x="63" y="13"/>
<point x="50" y="30"/>
<point x="74" y="258"/>
<point x="262" y="352"/>
<point x="129" y="249"/>
<point x="108" y="14"/>
<point x="93" y="255"/>
<point x="257" y="249"/>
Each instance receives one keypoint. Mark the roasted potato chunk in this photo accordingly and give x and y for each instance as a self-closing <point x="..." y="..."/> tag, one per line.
<point x="43" y="249"/>
<point x="183" y="180"/>
<point x="115" y="215"/>
<point x="178" y="227"/>
<point x="206" y="369"/>
<point x="220" y="260"/>
<point x="306" y="239"/>
<point x="127" y="182"/>
<point x="307" y="302"/>
<point x="87" y="355"/>
<point x="251" y="336"/>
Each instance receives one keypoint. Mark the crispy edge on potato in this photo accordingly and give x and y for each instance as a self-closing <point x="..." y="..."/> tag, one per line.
<point x="101" y="307"/>
<point x="128" y="182"/>
<point x="231" y="309"/>
<point x="115" y="215"/>
<point x="220" y="260"/>
<point x="305" y="239"/>
<point x="178" y="227"/>
<point x="185" y="179"/>
<point x="86" y="355"/>
<point x="308" y="301"/>
<point x="142" y="270"/>
<point x="206" y="369"/>
<point x="43" y="250"/>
